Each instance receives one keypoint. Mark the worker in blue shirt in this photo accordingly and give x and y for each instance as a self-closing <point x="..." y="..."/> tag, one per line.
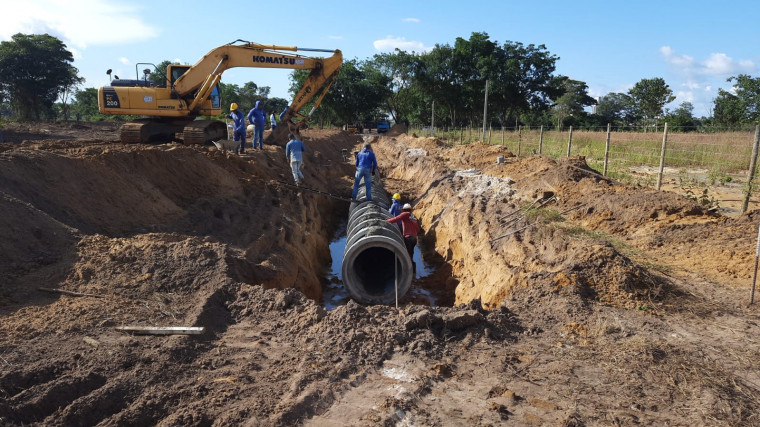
<point x="294" y="153"/>
<point x="366" y="164"/>
<point x="258" y="118"/>
<point x="395" y="209"/>
<point x="238" y="125"/>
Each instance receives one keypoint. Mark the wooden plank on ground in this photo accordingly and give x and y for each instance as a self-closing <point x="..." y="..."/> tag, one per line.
<point x="70" y="293"/>
<point x="162" y="330"/>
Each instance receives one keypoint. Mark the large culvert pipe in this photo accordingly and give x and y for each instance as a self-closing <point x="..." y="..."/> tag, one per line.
<point x="375" y="260"/>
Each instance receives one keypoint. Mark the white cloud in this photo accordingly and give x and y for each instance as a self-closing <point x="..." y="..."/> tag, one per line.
<point x="677" y="60"/>
<point x="717" y="64"/>
<point x="124" y="60"/>
<point x="390" y="43"/>
<point x="79" y="23"/>
<point x="411" y="20"/>
<point x="684" y="96"/>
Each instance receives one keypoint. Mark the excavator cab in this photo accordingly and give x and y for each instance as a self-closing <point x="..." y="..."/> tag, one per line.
<point x="174" y="72"/>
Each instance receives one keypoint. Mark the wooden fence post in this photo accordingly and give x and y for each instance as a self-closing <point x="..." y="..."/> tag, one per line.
<point x="502" y="134"/>
<point x="541" y="141"/>
<point x="752" y="165"/>
<point x="490" y="131"/>
<point x="569" y="141"/>
<point x="606" y="151"/>
<point x="461" y="135"/>
<point x="662" y="156"/>
<point x="519" y="140"/>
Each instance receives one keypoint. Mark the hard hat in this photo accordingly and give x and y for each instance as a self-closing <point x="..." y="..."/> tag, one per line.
<point x="233" y="106"/>
<point x="406" y="206"/>
<point x="397" y="196"/>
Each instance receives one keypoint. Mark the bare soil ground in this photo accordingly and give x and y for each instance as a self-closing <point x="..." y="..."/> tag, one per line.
<point x="606" y="305"/>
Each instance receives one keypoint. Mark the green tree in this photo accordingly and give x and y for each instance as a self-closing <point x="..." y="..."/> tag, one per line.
<point x="400" y="70"/>
<point x="572" y="102"/>
<point x="650" y="96"/>
<point x="34" y="71"/>
<point x="356" y="95"/>
<point x="229" y="93"/>
<point x="86" y="103"/>
<point x="616" y="109"/>
<point x="524" y="81"/>
<point x="682" y="118"/>
<point x="440" y="78"/>
<point x="250" y="93"/>
<point x="728" y="109"/>
<point x="748" y="93"/>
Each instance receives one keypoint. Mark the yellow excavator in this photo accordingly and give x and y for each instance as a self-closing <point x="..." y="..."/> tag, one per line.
<point x="192" y="91"/>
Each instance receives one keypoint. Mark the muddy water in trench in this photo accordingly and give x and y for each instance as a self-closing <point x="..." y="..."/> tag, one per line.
<point x="335" y="294"/>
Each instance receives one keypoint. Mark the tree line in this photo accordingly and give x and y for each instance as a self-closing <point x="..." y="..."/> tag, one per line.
<point x="446" y="85"/>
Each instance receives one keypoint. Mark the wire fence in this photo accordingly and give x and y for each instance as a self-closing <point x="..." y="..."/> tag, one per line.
<point x="690" y="160"/>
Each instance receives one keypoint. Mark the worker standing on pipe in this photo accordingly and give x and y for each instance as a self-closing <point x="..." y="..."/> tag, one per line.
<point x="410" y="228"/>
<point x="366" y="164"/>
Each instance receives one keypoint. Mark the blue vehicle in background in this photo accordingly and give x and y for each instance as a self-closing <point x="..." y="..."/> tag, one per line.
<point x="383" y="125"/>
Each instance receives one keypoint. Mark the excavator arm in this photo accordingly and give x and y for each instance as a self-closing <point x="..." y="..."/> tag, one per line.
<point x="204" y="75"/>
<point x="185" y="97"/>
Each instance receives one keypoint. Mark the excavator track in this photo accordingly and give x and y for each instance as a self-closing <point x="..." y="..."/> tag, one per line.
<point x="135" y="132"/>
<point x="142" y="131"/>
<point x="204" y="131"/>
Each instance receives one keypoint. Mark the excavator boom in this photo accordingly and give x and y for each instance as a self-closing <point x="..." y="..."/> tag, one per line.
<point x="191" y="92"/>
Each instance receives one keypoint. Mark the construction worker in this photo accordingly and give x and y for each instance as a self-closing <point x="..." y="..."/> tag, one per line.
<point x="409" y="228"/>
<point x="366" y="164"/>
<point x="272" y="121"/>
<point x="395" y="208"/>
<point x="258" y="118"/>
<point x="282" y="115"/>
<point x="294" y="153"/>
<point x="238" y="125"/>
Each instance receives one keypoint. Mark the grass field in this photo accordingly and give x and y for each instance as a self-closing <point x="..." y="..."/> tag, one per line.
<point x="722" y="156"/>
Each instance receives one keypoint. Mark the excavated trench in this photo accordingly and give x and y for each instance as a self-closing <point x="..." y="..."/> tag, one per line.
<point x="183" y="219"/>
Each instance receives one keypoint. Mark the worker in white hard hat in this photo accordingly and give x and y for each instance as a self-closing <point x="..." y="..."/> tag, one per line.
<point x="410" y="228"/>
<point x="238" y="125"/>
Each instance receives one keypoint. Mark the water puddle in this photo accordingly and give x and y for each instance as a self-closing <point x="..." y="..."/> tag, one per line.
<point x="334" y="294"/>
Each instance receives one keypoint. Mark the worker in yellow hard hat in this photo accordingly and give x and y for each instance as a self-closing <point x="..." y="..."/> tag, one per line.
<point x="395" y="208"/>
<point x="238" y="125"/>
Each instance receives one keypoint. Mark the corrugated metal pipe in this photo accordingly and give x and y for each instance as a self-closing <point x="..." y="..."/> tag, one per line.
<point x="375" y="260"/>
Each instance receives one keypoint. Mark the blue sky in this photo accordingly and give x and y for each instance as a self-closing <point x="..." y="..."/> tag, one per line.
<point x="694" y="45"/>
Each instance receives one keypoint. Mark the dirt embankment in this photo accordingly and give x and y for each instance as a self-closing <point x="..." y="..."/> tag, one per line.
<point x="596" y="313"/>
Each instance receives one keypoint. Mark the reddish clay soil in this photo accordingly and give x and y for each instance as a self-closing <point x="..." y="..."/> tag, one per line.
<point x="564" y="298"/>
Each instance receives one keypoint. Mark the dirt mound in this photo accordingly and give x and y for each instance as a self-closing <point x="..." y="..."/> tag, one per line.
<point x="397" y="129"/>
